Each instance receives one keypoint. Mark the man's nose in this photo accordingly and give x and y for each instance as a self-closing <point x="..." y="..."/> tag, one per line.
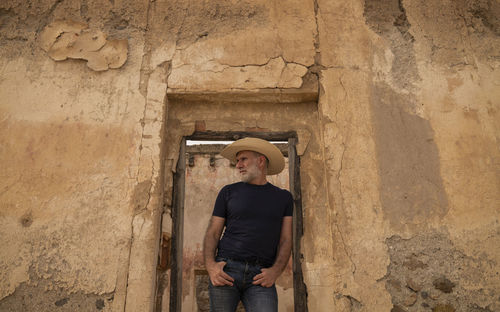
<point x="238" y="164"/>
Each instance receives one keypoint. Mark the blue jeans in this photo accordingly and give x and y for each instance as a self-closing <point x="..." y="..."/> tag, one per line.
<point x="255" y="298"/>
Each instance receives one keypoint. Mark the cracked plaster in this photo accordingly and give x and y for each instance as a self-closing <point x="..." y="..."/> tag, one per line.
<point x="275" y="73"/>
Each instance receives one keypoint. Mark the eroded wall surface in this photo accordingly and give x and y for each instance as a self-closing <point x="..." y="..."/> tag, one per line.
<point x="400" y="178"/>
<point x="411" y="139"/>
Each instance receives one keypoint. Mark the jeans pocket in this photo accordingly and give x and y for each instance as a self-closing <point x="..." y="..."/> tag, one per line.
<point x="227" y="266"/>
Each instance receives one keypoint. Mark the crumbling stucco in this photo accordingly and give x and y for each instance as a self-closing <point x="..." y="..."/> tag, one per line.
<point x="45" y="297"/>
<point x="429" y="272"/>
<point x="229" y="46"/>
<point x="388" y="19"/>
<point x="68" y="39"/>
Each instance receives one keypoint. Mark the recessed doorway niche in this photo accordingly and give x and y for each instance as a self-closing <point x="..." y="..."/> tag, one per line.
<point x="194" y="174"/>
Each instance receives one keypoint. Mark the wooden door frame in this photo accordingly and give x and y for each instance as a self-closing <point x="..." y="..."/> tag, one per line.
<point x="299" y="288"/>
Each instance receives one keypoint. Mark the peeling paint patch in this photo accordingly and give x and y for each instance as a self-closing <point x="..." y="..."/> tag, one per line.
<point x="69" y="39"/>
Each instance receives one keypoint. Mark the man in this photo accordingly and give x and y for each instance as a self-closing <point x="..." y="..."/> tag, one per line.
<point x="254" y="250"/>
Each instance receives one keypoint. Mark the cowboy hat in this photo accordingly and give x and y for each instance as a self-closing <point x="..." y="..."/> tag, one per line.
<point x="273" y="154"/>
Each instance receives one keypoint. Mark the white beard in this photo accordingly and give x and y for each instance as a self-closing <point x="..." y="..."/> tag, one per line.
<point x="251" y="173"/>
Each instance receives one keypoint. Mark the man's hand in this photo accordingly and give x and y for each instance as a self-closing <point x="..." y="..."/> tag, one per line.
<point x="270" y="275"/>
<point x="266" y="278"/>
<point x="217" y="275"/>
<point x="215" y="269"/>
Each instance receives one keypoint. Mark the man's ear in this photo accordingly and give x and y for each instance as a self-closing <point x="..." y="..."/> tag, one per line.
<point x="262" y="161"/>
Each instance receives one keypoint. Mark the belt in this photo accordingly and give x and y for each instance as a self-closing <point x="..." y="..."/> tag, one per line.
<point x="251" y="261"/>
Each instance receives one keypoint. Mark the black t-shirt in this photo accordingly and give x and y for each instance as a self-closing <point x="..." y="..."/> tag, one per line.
<point x="254" y="215"/>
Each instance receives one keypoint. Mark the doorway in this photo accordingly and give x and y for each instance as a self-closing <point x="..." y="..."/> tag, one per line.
<point x="200" y="173"/>
<point x="232" y="116"/>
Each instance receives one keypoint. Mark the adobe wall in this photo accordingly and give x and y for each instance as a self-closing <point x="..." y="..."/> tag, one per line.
<point x="400" y="176"/>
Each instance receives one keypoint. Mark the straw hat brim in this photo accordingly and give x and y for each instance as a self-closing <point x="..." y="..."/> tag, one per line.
<point x="273" y="154"/>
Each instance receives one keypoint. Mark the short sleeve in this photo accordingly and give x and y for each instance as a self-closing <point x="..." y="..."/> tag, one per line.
<point x="289" y="205"/>
<point x="220" y="207"/>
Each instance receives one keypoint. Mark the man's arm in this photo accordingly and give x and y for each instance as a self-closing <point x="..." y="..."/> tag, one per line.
<point x="215" y="269"/>
<point x="269" y="276"/>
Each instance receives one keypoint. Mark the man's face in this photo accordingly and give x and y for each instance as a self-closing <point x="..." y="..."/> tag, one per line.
<point x="247" y="162"/>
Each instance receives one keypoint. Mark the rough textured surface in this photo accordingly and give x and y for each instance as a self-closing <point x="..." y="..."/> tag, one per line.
<point x="45" y="297"/>
<point x="429" y="271"/>
<point x="399" y="151"/>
